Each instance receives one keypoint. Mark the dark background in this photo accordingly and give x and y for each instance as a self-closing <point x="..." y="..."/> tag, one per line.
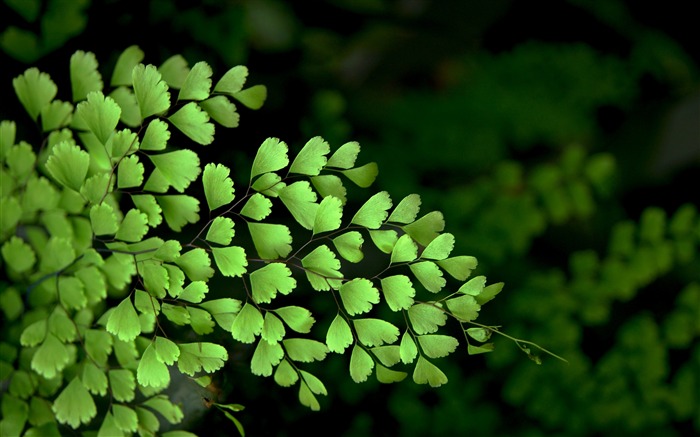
<point x="540" y="129"/>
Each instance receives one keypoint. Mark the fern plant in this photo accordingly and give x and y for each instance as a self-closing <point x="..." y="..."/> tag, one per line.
<point x="104" y="299"/>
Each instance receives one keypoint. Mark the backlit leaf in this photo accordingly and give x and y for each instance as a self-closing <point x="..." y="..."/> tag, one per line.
<point x="269" y="184"/>
<point x="285" y="375"/>
<point x="34" y="90"/>
<point x="56" y="115"/>
<point x="345" y="156"/>
<point x="103" y="219"/>
<point x="155" y="278"/>
<point x="349" y="246"/>
<point x="388" y="376"/>
<point x="51" y="357"/>
<point x="305" y="350"/>
<point x="339" y="335"/>
<point x="322" y="269"/>
<point x="270" y="279"/>
<point x="388" y="355"/>
<point x="156" y="136"/>
<point x="18" y="255"/>
<point x="474" y="286"/>
<point x="122" y="384"/>
<point x="197" y="83"/>
<point x="426" y="318"/>
<point x="375" y="332"/>
<point x="126" y="100"/>
<point x="358" y="295"/>
<point x="459" y="267"/>
<point x="328" y="215"/>
<point x="465" y="308"/>
<point x="220" y="231"/>
<point x="200" y="321"/>
<point x="151" y="90"/>
<point x="74" y="405"/>
<point x="94" y="379"/>
<point x="68" y="164"/>
<point x="428" y="373"/>
<point x="266" y="356"/>
<point x="439" y="248"/>
<point x="311" y="158"/>
<point x="247" y="324"/>
<point x="252" y="97"/>
<point x="221" y="110"/>
<point x="178" y="210"/>
<point x="231" y="261"/>
<point x="384" y="239"/>
<point x="100" y="114"/>
<point x="148" y="422"/>
<point x="398" y="292"/>
<point x="330" y="185"/>
<point x="427" y="228"/>
<point x="223" y="310"/>
<point x="71" y="292"/>
<point x="300" y="200"/>
<point x="408" y="351"/>
<point x="271" y="156"/>
<point x="192" y="121"/>
<point x="405" y="250"/>
<point x="272" y="241"/>
<point x="273" y="329"/>
<point x="170" y="411"/>
<point x="297" y="318"/>
<point x="257" y="207"/>
<point x="374" y="211"/>
<point x="134" y="226"/>
<point x="481" y="349"/>
<point x="479" y="334"/>
<point x="33" y="334"/>
<point x="126" y="62"/>
<point x="84" y="76"/>
<point x="123" y="142"/>
<point x="125" y="418"/>
<point x="218" y="186"/>
<point x="361" y="364"/>
<point x="489" y="293"/>
<point x="166" y="351"/>
<point x="437" y="346"/>
<point x="147" y="204"/>
<point x="174" y="71"/>
<point x="176" y="314"/>
<point x="130" y="172"/>
<point x="123" y="321"/>
<point x="56" y="254"/>
<point x="98" y="344"/>
<point x="363" y="176"/>
<point x="407" y="210"/>
<point x="233" y="80"/>
<point x="195" y="357"/>
<point x="429" y="275"/>
<point x="179" y="168"/>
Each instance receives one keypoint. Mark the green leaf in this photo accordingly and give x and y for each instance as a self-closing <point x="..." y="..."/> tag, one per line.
<point x="407" y="210"/>
<point x="398" y="292"/>
<point x="305" y="350"/>
<point x="98" y="344"/>
<point x="479" y="334"/>
<point x="426" y="318"/>
<point x="197" y="83"/>
<point x="195" y="357"/>
<point x="174" y="71"/>
<point x="148" y="422"/>
<point x="266" y="356"/>
<point x="147" y="204"/>
<point x="124" y="142"/>
<point x="125" y="418"/>
<point x="408" y="351"/>
<point x="361" y="364"/>
<point x="252" y="97"/>
<point x="269" y="184"/>
<point x="166" y="351"/>
<point x="311" y="158"/>
<point x="300" y="200"/>
<point x="151" y="90"/>
<point x="126" y="100"/>
<point x="51" y="357"/>
<point x="285" y="375"/>
<point x="34" y="90"/>
<point x="459" y="267"/>
<point x="100" y="114"/>
<point x="56" y="255"/>
<point x="134" y="226"/>
<point x="155" y="278"/>
<point x="103" y="219"/>
<point x="192" y="121"/>
<point x="273" y="330"/>
<point x="220" y="231"/>
<point x="427" y="228"/>
<point x="170" y="411"/>
<point x="375" y="332"/>
<point x="218" y="187"/>
<point x="363" y="176"/>
<point x="232" y="82"/>
<point x="429" y="275"/>
<point x="96" y="187"/>
<point x="388" y="355"/>
<point x="68" y="164"/>
<point x="428" y="373"/>
<point x="62" y="326"/>
<point x="339" y="335"/>
<point x="268" y="280"/>
<point x="176" y="314"/>
<point x="313" y="383"/>
<point x="474" y="286"/>
<point x="71" y="292"/>
<point x="358" y="295"/>
<point x="330" y="185"/>
<point x="122" y="384"/>
<point x="178" y="210"/>
<point x="385" y="240"/>
<point x="349" y="246"/>
<point x="223" y="310"/>
<point x="465" y="308"/>
<point x="437" y="346"/>
<point x="257" y="207"/>
<point x="33" y="334"/>
<point x="179" y="168"/>
<point x="18" y="255"/>
<point x="74" y="406"/>
<point x="94" y="379"/>
<point x="489" y="293"/>
<point x="128" y="59"/>
<point x="482" y="349"/>
<point x="56" y="115"/>
<point x="388" y="376"/>
<point x="345" y="156"/>
<point x="271" y="241"/>
<point x="123" y="322"/>
<point x="271" y="156"/>
<point x="84" y="77"/>
<point x="156" y="136"/>
<point x="21" y="161"/>
<point x="322" y="269"/>
<point x="222" y="110"/>
<point x="247" y="324"/>
<point x="200" y="321"/>
<point x="130" y="172"/>
<point x="297" y="318"/>
<point x="439" y="248"/>
<point x="374" y="211"/>
<point x="405" y="250"/>
<point x="231" y="261"/>
<point x="328" y="215"/>
<point x="8" y="131"/>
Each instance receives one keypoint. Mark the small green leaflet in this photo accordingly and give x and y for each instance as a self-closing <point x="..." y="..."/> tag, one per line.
<point x="122" y="143"/>
<point x="440" y="248"/>
<point x="134" y="226"/>
<point x="176" y="314"/>
<point x="74" y="405"/>
<point x="218" y="186"/>
<point x="273" y="329"/>
<point x="155" y="278"/>
<point x="220" y="231"/>
<point x="311" y="158"/>
<point x="269" y="184"/>
<point x="375" y="332"/>
<point x="20" y="161"/>
<point x="194" y="292"/>
<point x="465" y="308"/>
<point x="174" y="71"/>
<point x="62" y="326"/>
<point x="33" y="334"/>
<point x="71" y="292"/>
<point x="489" y="293"/>
<point x="398" y="292"/>
<point x="18" y="255"/>
<point x="266" y="356"/>
<point x="151" y="371"/>
<point x="192" y="121"/>
<point x="482" y="349"/>
<point x="128" y="59"/>
<point x="126" y="100"/>
<point x="197" y="83"/>
<point x="56" y="115"/>
<point x="56" y="254"/>
<point x="122" y="383"/>
<point x="268" y="280"/>
<point x="459" y="267"/>
<point x="247" y="324"/>
<point x="426" y="318"/>
<point x="297" y="318"/>
<point x="428" y="373"/>
<point x="125" y="418"/>
<point x="349" y="246"/>
<point x="195" y="357"/>
<point x="147" y="421"/>
<point x="429" y="275"/>
<point x="68" y="164"/>
<point x="233" y="80"/>
<point x="405" y="250"/>
<point x="363" y="176"/>
<point x="305" y="350"/>
<point x="130" y="172"/>
<point x="257" y="207"/>
<point x="388" y="355"/>
<point x="345" y="156"/>
<point x="388" y="376"/>
<point x="166" y="351"/>
<point x="178" y="210"/>
<point x="309" y="386"/>
<point x="252" y="97"/>
<point x="361" y="364"/>
<point x="407" y="210"/>
<point x="330" y="185"/>
<point x="34" y="90"/>
<point x="479" y="334"/>
<point x="200" y="321"/>
<point x="170" y="411"/>
<point x="272" y="241"/>
<point x="407" y="349"/>
<point x="374" y="211"/>
<point x="51" y="357"/>
<point x="231" y="261"/>
<point x="286" y="375"/>
<point x="328" y="215"/>
<point x="474" y="286"/>
<point x="179" y="168"/>
<point x="221" y="110"/>
<point x="384" y="239"/>
<point x="223" y="310"/>
<point x="437" y="346"/>
<point x="358" y="296"/>
<point x="84" y="76"/>
<point x="271" y="156"/>
<point x="156" y="136"/>
<point x="427" y="228"/>
<point x="123" y="321"/>
<point x="300" y="200"/>
<point x="151" y="91"/>
<point x="339" y="335"/>
<point x="98" y="344"/>
<point x="322" y="269"/>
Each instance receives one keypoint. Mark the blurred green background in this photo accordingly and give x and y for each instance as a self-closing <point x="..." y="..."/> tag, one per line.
<point x="560" y="138"/>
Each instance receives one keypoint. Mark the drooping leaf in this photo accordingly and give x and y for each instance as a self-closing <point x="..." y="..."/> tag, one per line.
<point x="197" y="83"/>
<point x="349" y="246"/>
<point x="34" y="90"/>
<point x="231" y="261"/>
<point x="130" y="172"/>
<point x="68" y="164"/>
<point x="128" y="59"/>
<point x="297" y="318"/>
<point x="437" y="346"/>
<point x="180" y="168"/>
<point x="428" y="373"/>
<point x="426" y="318"/>
<point x="374" y="211"/>
<point x="84" y="76"/>
<point x="407" y="210"/>
<point x="481" y="349"/>
<point x="330" y="185"/>
<point x="100" y="114"/>
<point x="439" y="248"/>
<point x="489" y="293"/>
<point x="218" y="186"/>
<point x="300" y="200"/>
<point x="270" y="279"/>
<point x="151" y="90"/>
<point x="233" y="80"/>
<point x="272" y="241"/>
<point x="429" y="275"/>
<point x="363" y="176"/>
<point x="375" y="332"/>
<point x="271" y="156"/>
<point x="134" y="226"/>
<point x="311" y="158"/>
<point x="322" y="269"/>
<point x="195" y="357"/>
<point x="220" y="231"/>
<point x="405" y="250"/>
<point x="222" y="110"/>
<point x="156" y="136"/>
<point x="361" y="364"/>
<point x="358" y="295"/>
<point x="339" y="335"/>
<point x="465" y="308"/>
<point x="398" y="292"/>
<point x="247" y="324"/>
<point x="305" y="350"/>
<point x="459" y="267"/>
<point x="178" y="210"/>
<point x="123" y="321"/>
<point x="427" y="228"/>
<point x="257" y="207"/>
<point x="252" y="97"/>
<point x="266" y="356"/>
<point x="328" y="215"/>
<point x="286" y="375"/>
<point x="345" y="156"/>
<point x="192" y="121"/>
<point x="384" y="239"/>
<point x="74" y="405"/>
